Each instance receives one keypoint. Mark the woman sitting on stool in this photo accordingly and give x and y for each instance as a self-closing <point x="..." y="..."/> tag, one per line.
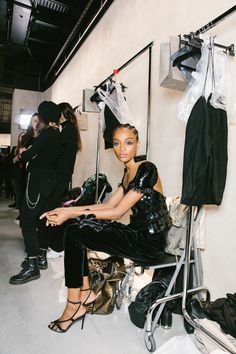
<point x="142" y="240"/>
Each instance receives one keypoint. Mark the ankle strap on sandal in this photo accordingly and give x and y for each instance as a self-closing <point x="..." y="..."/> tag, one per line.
<point x="85" y="289"/>
<point x="74" y="302"/>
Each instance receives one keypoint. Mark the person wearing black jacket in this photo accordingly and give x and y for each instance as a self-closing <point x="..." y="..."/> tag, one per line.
<point x="70" y="145"/>
<point x="41" y="180"/>
<point x="18" y="171"/>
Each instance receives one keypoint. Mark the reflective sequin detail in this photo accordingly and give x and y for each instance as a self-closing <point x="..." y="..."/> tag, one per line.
<point x="150" y="212"/>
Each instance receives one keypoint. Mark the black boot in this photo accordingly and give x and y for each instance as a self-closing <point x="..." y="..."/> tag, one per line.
<point x="30" y="272"/>
<point x="25" y="263"/>
<point x="42" y="260"/>
<point x="166" y="318"/>
<point x="195" y="311"/>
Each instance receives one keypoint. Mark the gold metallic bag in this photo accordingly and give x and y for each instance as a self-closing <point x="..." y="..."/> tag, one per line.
<point x="104" y="277"/>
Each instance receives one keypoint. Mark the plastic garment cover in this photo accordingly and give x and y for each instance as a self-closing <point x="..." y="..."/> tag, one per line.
<point x="204" y="344"/>
<point x="211" y="76"/>
<point x="116" y="102"/>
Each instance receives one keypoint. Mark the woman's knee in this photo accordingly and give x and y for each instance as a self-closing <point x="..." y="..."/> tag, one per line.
<point x="73" y="236"/>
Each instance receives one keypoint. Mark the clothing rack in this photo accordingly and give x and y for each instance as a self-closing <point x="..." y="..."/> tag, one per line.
<point x="149" y="48"/>
<point x="193" y="39"/>
<point x="195" y="323"/>
<point x="196" y="42"/>
<point x="216" y="21"/>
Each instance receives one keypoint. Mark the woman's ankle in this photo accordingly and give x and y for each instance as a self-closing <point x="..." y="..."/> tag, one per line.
<point x="72" y="307"/>
<point x="87" y="296"/>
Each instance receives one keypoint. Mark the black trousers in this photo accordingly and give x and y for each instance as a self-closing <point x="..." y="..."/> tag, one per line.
<point x="113" y="238"/>
<point x="48" y="236"/>
<point x="40" y="184"/>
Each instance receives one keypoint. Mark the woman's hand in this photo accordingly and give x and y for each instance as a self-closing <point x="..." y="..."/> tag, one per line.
<point x="57" y="216"/>
<point x="16" y="159"/>
<point x="22" y="150"/>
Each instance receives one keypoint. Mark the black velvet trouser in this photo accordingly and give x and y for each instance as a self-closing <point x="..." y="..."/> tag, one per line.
<point x="110" y="237"/>
<point x="50" y="236"/>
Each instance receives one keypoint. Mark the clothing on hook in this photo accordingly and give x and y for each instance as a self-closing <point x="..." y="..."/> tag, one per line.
<point x="205" y="155"/>
<point x="211" y="77"/>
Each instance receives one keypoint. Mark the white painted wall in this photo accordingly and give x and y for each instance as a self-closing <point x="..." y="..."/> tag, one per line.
<point x="26" y="100"/>
<point x="127" y="27"/>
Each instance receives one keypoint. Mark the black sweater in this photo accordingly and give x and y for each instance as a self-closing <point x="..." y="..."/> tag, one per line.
<point x="44" y="151"/>
<point x="68" y="149"/>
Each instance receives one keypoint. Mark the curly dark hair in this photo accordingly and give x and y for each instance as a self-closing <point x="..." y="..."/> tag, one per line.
<point x="128" y="126"/>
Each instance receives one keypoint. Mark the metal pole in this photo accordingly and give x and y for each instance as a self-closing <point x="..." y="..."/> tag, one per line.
<point x="98" y="158"/>
<point x="72" y="51"/>
<point x="217" y="20"/>
<point x="149" y="100"/>
<point x="187" y="258"/>
<point x="127" y="63"/>
<point x="187" y="317"/>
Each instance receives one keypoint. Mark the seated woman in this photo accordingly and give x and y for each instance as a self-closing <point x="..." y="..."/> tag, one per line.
<point x="142" y="241"/>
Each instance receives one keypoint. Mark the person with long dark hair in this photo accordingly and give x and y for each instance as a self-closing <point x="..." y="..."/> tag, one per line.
<point x="41" y="157"/>
<point x="94" y="226"/>
<point x="70" y="145"/>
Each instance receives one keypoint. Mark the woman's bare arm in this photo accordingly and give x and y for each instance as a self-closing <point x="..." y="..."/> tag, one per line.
<point x="72" y="212"/>
<point x="60" y="215"/>
<point x="110" y="203"/>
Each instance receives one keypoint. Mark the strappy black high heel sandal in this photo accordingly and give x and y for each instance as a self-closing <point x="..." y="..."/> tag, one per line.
<point x="55" y="325"/>
<point x="85" y="303"/>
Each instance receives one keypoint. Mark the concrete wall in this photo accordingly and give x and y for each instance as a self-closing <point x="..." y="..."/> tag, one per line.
<point x="127" y="27"/>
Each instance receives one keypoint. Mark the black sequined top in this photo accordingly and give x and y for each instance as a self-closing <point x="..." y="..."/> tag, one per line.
<point x="150" y="212"/>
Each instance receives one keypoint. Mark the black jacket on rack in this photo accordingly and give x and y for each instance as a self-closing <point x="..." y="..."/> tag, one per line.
<point x="205" y="155"/>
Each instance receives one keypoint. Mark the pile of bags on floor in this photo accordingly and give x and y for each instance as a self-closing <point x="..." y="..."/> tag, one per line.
<point x="220" y="320"/>
<point x="223" y="311"/>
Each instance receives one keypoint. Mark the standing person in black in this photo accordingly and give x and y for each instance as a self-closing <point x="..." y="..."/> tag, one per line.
<point x="70" y="145"/>
<point x="18" y="172"/>
<point x="5" y="172"/>
<point x="41" y="180"/>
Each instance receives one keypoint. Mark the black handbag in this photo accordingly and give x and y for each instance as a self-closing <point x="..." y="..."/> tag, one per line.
<point x="144" y="299"/>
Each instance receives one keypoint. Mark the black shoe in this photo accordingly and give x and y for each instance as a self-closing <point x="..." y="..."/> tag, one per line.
<point x="28" y="273"/>
<point x="42" y="260"/>
<point x="55" y="325"/>
<point x="166" y="318"/>
<point x="25" y="263"/>
<point x="195" y="311"/>
<point x="13" y="205"/>
<point x="188" y="327"/>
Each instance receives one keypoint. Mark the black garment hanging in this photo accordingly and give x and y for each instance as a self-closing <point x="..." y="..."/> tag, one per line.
<point x="205" y="155"/>
<point x="110" y="120"/>
<point x="219" y="153"/>
<point x="205" y="151"/>
<point x="111" y="123"/>
<point x="223" y="311"/>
